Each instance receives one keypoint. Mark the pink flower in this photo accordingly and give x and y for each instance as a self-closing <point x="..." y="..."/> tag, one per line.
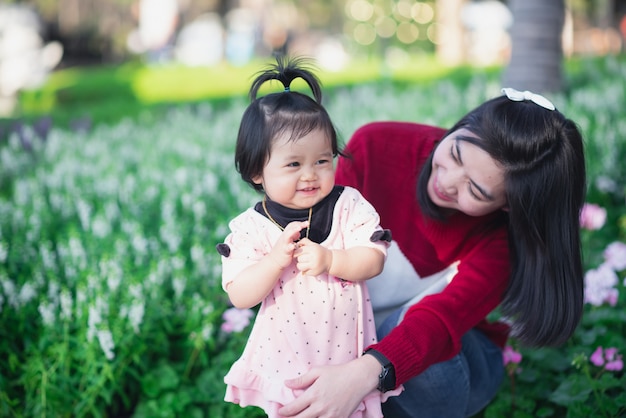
<point x="613" y="360"/>
<point x="615" y="255"/>
<point x="597" y="358"/>
<point x="592" y="216"/>
<point x="611" y="296"/>
<point x="236" y="320"/>
<point x="509" y="355"/>
<point x="608" y="358"/>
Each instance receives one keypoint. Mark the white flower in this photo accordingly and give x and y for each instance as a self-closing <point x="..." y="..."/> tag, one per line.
<point x="46" y="310"/>
<point x="47" y="256"/>
<point x="100" y="227"/>
<point x="207" y="330"/>
<point x="27" y="293"/>
<point x="615" y="255"/>
<point x="105" y="338"/>
<point x="4" y="251"/>
<point x="179" y="285"/>
<point x="599" y="285"/>
<point x="92" y="322"/>
<point x="84" y="213"/>
<point x="139" y="243"/>
<point x="53" y="292"/>
<point x="135" y="315"/>
<point x="113" y="273"/>
<point x="66" y="305"/>
<point x="8" y="287"/>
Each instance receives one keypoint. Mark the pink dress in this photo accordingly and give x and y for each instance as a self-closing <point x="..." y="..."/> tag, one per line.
<point x="305" y="321"/>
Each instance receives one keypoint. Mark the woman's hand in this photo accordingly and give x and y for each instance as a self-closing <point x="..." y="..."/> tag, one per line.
<point x="333" y="391"/>
<point x="313" y="259"/>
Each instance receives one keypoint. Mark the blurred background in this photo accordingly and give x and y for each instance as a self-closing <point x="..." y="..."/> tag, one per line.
<point x="39" y="37"/>
<point x="117" y="127"/>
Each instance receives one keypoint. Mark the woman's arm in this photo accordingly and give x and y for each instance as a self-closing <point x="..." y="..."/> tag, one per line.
<point x="333" y="391"/>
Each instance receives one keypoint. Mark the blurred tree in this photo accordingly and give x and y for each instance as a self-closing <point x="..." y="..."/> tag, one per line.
<point x="536" y="62"/>
<point x="450" y="47"/>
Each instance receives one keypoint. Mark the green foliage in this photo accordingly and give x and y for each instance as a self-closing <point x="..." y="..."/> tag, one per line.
<point x="109" y="94"/>
<point x="110" y="291"/>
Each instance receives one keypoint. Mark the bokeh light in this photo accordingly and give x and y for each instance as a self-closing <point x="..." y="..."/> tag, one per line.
<point x="385" y="27"/>
<point x="360" y="10"/>
<point x="364" y="34"/>
<point x="407" y="33"/>
<point x="422" y="12"/>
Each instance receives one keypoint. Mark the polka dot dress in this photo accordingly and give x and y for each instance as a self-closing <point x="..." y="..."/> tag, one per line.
<point x="305" y="321"/>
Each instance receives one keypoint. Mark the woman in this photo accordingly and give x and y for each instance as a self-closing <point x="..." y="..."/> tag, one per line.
<point x="497" y="197"/>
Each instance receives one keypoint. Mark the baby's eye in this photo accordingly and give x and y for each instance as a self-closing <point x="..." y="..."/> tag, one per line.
<point x="323" y="162"/>
<point x="293" y="164"/>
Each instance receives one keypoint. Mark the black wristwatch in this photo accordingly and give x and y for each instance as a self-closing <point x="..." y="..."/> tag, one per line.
<point x="387" y="376"/>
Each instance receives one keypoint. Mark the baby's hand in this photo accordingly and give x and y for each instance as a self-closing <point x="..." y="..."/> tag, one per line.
<point x="313" y="259"/>
<point x="283" y="250"/>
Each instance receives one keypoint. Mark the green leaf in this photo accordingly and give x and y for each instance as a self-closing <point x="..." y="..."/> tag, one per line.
<point x="571" y="391"/>
<point x="161" y="379"/>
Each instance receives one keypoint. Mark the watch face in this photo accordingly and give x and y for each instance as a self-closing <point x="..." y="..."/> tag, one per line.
<point x="385" y="382"/>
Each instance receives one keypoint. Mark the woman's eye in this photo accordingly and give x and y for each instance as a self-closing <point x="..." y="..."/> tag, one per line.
<point x="474" y="195"/>
<point x="452" y="154"/>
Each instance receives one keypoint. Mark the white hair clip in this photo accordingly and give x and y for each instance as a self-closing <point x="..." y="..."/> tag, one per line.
<point x="518" y="96"/>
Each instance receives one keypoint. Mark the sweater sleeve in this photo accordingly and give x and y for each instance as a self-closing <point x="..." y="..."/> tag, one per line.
<point x="384" y="163"/>
<point x="432" y="329"/>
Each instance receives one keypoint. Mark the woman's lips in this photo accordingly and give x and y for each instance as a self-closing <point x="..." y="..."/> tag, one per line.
<point x="441" y="195"/>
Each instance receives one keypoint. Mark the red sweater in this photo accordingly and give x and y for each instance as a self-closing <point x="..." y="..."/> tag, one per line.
<point x="386" y="158"/>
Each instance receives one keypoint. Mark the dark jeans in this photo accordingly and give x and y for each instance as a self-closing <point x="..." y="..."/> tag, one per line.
<point x="459" y="387"/>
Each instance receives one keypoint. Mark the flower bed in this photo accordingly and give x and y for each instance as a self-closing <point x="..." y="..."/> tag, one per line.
<point x="110" y="296"/>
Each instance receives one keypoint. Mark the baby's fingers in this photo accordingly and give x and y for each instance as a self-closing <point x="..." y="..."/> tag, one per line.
<point x="293" y="229"/>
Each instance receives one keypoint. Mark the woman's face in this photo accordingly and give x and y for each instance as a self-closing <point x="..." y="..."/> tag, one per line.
<point x="299" y="173"/>
<point x="465" y="178"/>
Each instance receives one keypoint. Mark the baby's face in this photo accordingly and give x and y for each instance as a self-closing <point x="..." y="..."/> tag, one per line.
<point x="299" y="173"/>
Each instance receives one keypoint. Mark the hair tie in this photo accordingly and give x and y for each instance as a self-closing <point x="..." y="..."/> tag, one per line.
<point x="287" y="89"/>
<point x="518" y="96"/>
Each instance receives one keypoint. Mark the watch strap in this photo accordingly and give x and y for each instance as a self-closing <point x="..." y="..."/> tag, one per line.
<point x="387" y="376"/>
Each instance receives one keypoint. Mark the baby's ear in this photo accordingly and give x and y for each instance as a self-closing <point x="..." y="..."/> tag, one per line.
<point x="257" y="180"/>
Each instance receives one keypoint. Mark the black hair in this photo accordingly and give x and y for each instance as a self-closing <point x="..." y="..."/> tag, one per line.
<point x="276" y="114"/>
<point x="541" y="152"/>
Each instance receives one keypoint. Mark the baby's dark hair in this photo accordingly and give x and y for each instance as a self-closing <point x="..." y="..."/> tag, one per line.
<point x="277" y="114"/>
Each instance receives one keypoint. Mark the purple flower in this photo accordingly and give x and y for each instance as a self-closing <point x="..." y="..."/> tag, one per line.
<point x="615" y="255"/>
<point x="509" y="355"/>
<point x="236" y="320"/>
<point x="608" y="358"/>
<point x="597" y="358"/>
<point x="613" y="360"/>
<point x="592" y="216"/>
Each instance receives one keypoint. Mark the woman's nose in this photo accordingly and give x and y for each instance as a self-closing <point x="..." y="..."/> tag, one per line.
<point x="448" y="180"/>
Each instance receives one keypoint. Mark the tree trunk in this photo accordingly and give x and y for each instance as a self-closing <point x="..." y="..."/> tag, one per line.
<point x="537" y="48"/>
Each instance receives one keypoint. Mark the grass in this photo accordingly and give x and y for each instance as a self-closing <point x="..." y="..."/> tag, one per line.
<point x="108" y="94"/>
